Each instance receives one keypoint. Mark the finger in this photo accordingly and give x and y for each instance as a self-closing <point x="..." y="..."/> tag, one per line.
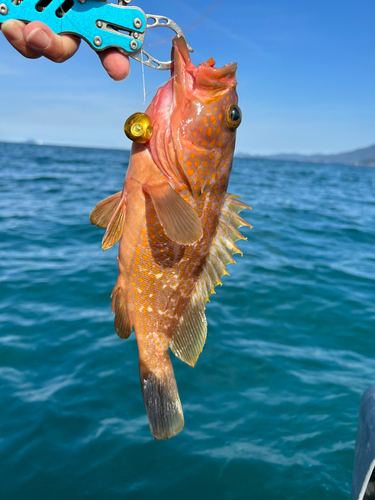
<point x="44" y="41"/>
<point x="14" y="33"/>
<point x="116" y="64"/>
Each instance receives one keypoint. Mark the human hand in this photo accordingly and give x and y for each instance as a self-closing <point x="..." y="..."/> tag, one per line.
<point x="35" y="39"/>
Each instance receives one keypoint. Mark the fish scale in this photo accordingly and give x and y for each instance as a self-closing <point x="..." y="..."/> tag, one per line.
<point x="177" y="225"/>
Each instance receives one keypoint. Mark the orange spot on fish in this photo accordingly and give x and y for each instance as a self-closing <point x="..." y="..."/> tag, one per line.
<point x="192" y="155"/>
<point x="211" y="155"/>
<point x="218" y="130"/>
<point x="205" y="163"/>
<point x="220" y="116"/>
<point x="205" y="119"/>
<point x="213" y="119"/>
<point x="190" y="171"/>
<point x="188" y="163"/>
<point x="209" y="131"/>
<point x="195" y="134"/>
<point x="212" y="143"/>
<point x="197" y="163"/>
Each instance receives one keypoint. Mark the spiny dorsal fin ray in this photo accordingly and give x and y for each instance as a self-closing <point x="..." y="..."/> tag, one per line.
<point x="103" y="211"/>
<point x="190" y="335"/>
<point x="230" y="232"/>
<point x="234" y="204"/>
<point x="235" y="220"/>
<point x="222" y="254"/>
<point x="231" y="247"/>
<point x="123" y="325"/>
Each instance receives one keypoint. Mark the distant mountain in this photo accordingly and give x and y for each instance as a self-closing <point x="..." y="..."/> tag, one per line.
<point x="362" y="157"/>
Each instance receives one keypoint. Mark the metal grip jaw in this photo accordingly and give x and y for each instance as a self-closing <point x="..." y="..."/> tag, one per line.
<point x="101" y="24"/>
<point x="160" y="22"/>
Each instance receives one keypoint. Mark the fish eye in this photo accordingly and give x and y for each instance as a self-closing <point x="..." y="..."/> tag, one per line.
<point x="234" y="116"/>
<point x="138" y="128"/>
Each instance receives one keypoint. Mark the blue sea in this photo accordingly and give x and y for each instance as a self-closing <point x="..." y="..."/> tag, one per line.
<point x="271" y="407"/>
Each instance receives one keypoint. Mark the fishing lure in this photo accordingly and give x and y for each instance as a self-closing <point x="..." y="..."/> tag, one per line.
<point x="138" y="128"/>
<point x="101" y="24"/>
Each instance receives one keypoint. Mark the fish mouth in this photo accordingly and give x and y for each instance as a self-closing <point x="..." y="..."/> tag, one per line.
<point x="183" y="70"/>
<point x="180" y="55"/>
<point x="205" y="78"/>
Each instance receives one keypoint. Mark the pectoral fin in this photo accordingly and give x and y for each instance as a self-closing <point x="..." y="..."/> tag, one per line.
<point x="103" y="211"/>
<point x="180" y="222"/>
<point x="115" y="227"/>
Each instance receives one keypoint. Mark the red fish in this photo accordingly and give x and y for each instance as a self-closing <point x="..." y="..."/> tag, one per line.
<point x="177" y="225"/>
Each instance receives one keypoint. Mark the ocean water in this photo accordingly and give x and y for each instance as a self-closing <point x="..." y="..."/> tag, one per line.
<point x="271" y="407"/>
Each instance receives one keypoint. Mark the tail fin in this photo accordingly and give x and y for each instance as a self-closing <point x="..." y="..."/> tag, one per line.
<point x="161" y="399"/>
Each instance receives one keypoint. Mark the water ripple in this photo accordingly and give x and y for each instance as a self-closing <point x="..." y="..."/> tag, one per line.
<point x="271" y="406"/>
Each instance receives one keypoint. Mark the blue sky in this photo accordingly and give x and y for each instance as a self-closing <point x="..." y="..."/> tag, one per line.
<point x="306" y="78"/>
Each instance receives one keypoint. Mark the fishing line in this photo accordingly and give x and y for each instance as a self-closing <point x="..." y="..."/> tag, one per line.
<point x="144" y="81"/>
<point x="159" y="86"/>
<point x="204" y="16"/>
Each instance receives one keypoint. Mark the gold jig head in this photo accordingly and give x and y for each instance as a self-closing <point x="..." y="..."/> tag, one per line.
<point x="138" y="128"/>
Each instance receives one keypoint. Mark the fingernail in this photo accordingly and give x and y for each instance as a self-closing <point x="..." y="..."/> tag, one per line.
<point x="38" y="39"/>
<point x="12" y="31"/>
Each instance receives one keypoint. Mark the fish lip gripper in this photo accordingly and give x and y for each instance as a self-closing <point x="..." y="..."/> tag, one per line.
<point x="102" y="25"/>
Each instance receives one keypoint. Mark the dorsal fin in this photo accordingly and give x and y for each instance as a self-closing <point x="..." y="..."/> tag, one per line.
<point x="180" y="222"/>
<point x="103" y="211"/>
<point x="190" y="335"/>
